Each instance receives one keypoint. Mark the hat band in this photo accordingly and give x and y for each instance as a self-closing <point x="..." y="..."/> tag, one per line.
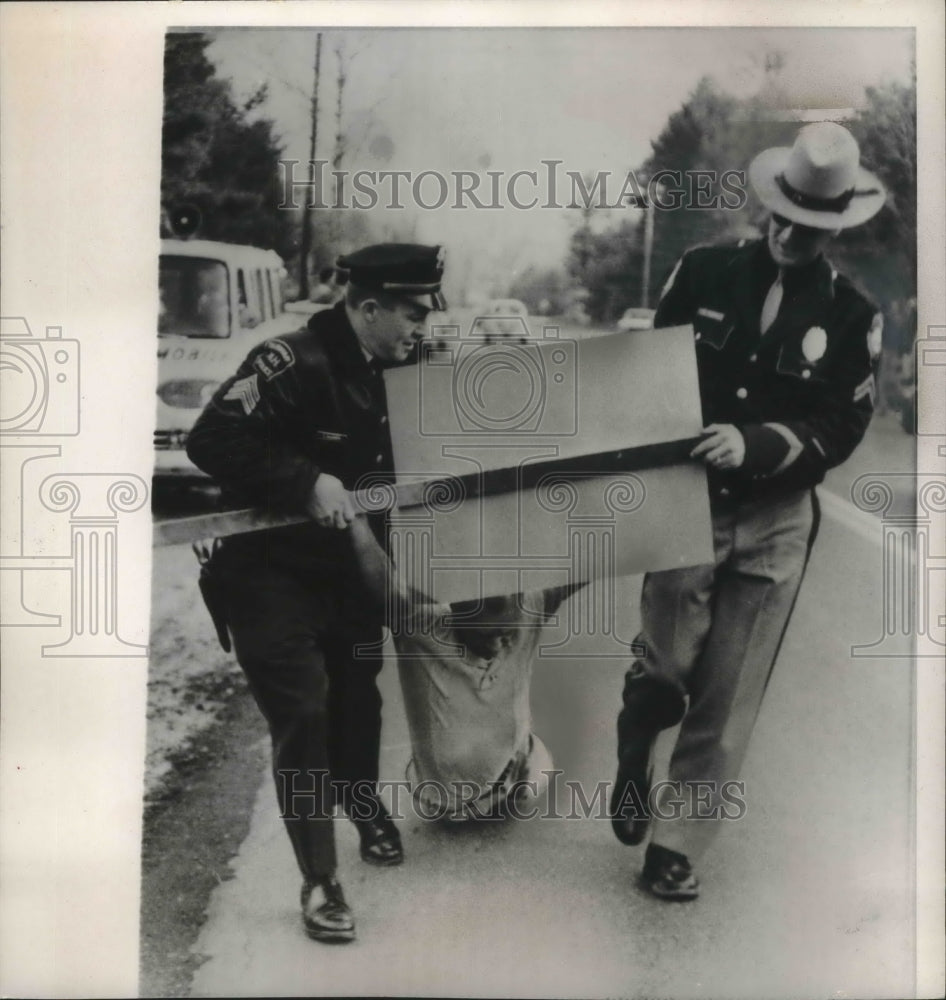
<point x="436" y="296"/>
<point x="812" y="202"/>
<point x="391" y="286"/>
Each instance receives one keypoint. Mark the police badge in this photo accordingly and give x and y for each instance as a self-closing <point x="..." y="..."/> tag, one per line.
<point x="814" y="344"/>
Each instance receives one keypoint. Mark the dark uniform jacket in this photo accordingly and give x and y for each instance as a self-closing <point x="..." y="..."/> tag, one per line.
<point x="299" y="405"/>
<point x="801" y="394"/>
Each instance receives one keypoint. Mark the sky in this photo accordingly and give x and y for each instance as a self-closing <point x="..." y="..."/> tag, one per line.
<point x="506" y="99"/>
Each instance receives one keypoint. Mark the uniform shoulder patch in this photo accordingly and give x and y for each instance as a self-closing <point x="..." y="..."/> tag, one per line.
<point x="273" y="357"/>
<point x="875" y="335"/>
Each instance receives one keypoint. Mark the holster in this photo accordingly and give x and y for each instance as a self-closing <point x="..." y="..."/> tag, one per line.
<point x="211" y="592"/>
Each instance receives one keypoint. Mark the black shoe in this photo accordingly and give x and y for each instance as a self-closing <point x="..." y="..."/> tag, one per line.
<point x="669" y="875"/>
<point x="651" y="704"/>
<point x="380" y="841"/>
<point x="325" y="914"/>
<point x="629" y="807"/>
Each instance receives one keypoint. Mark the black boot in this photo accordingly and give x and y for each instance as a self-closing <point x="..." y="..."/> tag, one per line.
<point x="325" y="914"/>
<point x="650" y="705"/>
<point x="379" y="837"/>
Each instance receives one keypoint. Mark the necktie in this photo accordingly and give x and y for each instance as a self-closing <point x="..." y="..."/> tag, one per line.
<point x="771" y="305"/>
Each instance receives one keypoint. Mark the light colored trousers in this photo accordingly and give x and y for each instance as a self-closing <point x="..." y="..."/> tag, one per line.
<point x="714" y="632"/>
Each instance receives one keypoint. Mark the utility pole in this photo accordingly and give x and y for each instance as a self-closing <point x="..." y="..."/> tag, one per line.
<point x="648" y="250"/>
<point x="305" y="247"/>
<point x="339" y="153"/>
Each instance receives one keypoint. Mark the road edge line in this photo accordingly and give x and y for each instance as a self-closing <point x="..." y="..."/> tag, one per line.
<point x="859" y="521"/>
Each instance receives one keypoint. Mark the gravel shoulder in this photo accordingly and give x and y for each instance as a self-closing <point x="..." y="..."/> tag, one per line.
<point x="206" y="750"/>
<point x="190" y="839"/>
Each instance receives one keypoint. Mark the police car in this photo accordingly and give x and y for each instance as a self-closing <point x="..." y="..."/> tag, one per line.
<point x="217" y="300"/>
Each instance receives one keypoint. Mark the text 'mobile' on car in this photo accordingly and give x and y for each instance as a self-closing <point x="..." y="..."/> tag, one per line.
<point x="217" y="300"/>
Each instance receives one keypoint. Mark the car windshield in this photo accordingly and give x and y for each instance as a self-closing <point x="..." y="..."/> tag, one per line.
<point x="194" y="297"/>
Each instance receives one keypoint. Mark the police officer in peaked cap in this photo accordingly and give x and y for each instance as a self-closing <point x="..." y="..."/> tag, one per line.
<point x="295" y="430"/>
<point x="785" y="350"/>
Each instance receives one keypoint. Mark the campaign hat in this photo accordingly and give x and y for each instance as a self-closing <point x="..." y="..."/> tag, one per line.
<point x="818" y="181"/>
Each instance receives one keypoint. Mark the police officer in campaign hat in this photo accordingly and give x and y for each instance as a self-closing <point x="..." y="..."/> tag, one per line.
<point x="785" y="352"/>
<point x="302" y="422"/>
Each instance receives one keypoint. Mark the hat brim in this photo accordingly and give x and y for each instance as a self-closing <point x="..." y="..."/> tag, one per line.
<point x="771" y="162"/>
<point x="434" y="301"/>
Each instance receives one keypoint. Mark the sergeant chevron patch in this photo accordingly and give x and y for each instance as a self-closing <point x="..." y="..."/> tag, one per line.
<point x="246" y="392"/>
<point x="866" y="388"/>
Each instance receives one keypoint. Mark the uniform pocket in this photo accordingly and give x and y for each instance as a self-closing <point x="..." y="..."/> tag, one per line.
<point x="791" y="361"/>
<point x="711" y="328"/>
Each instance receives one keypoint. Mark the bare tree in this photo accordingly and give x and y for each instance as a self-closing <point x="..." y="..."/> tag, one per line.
<point x="339" y="152"/>
<point x="306" y="238"/>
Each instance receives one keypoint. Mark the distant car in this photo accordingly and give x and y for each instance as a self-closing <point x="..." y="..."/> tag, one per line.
<point x="503" y="319"/>
<point x="506" y="307"/>
<point x="217" y="300"/>
<point x="637" y="319"/>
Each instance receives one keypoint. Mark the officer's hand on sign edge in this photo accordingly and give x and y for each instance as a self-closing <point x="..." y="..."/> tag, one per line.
<point x="427" y="614"/>
<point x="723" y="448"/>
<point x="329" y="503"/>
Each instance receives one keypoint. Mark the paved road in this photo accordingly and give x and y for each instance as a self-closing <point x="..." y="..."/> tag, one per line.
<point x="809" y="895"/>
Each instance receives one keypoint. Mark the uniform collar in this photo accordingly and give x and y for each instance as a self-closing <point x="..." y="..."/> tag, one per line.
<point x="342" y="343"/>
<point x="815" y="278"/>
<point x="818" y="275"/>
<point x="808" y="291"/>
